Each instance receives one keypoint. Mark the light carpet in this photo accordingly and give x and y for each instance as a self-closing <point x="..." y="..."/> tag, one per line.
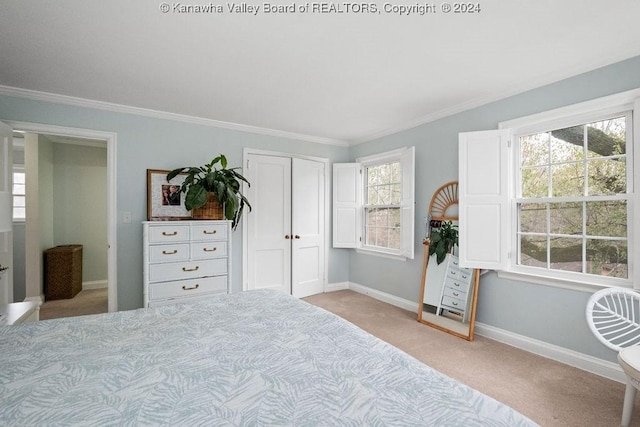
<point x="548" y="392"/>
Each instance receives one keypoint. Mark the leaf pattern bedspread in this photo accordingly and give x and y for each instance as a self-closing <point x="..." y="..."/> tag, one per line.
<point x="257" y="358"/>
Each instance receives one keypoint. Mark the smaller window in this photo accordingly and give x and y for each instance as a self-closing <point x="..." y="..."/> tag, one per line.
<point x="373" y="204"/>
<point x="383" y="190"/>
<point x="19" y="196"/>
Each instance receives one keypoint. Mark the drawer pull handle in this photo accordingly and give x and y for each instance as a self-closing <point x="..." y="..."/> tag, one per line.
<point x="167" y="233"/>
<point x="456" y="284"/>
<point x="455" y="294"/>
<point x="173" y="252"/>
<point x="191" y="269"/>
<point x="454" y="303"/>
<point x="184" y="288"/>
<point x="210" y="250"/>
<point x="210" y="232"/>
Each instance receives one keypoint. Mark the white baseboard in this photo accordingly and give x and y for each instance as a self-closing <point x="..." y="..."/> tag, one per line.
<point x="385" y="297"/>
<point x="38" y="299"/>
<point x="95" y="284"/>
<point x="332" y="287"/>
<point x="569" y="357"/>
<point x="573" y="358"/>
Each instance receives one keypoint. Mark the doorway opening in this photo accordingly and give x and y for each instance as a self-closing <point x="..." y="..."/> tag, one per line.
<point x="70" y="200"/>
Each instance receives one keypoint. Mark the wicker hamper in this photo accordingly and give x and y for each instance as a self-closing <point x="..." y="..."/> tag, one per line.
<point x="62" y="272"/>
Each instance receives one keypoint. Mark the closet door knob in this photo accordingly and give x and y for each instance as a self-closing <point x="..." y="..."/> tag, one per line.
<point x="286" y="236"/>
<point x="297" y="237"/>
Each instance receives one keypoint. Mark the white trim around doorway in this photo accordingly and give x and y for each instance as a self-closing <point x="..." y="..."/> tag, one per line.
<point x="110" y="138"/>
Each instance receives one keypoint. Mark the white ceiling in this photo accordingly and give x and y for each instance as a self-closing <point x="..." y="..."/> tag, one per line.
<point x="337" y="78"/>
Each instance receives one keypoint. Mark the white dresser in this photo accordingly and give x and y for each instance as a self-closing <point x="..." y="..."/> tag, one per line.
<point x="456" y="288"/>
<point x="448" y="286"/>
<point x="185" y="260"/>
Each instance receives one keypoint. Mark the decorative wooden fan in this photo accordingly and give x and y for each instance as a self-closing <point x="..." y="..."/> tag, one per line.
<point x="444" y="197"/>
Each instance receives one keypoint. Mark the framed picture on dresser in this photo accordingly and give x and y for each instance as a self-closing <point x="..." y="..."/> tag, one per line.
<point x="164" y="200"/>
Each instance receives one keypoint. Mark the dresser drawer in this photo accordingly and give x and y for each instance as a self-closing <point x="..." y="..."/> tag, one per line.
<point x="453" y="304"/>
<point x="168" y="233"/>
<point x="455" y="293"/>
<point x="452" y="283"/>
<point x="201" y="232"/>
<point x="208" y="250"/>
<point x="455" y="262"/>
<point x="459" y="274"/>
<point x="187" y="288"/>
<point x="169" y="253"/>
<point x="187" y="269"/>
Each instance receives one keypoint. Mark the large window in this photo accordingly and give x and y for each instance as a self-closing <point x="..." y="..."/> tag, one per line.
<point x="374" y="204"/>
<point x="554" y="196"/>
<point x="572" y="198"/>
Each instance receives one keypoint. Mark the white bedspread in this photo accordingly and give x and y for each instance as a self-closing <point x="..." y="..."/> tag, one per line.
<point x="255" y="358"/>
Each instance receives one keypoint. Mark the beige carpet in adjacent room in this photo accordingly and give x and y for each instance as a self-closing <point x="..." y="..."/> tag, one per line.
<point x="87" y="301"/>
<point x="548" y="392"/>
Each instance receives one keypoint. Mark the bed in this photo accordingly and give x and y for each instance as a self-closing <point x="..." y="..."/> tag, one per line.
<point x="257" y="358"/>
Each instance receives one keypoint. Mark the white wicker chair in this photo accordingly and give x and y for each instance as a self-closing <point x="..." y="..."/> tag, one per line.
<point x="613" y="315"/>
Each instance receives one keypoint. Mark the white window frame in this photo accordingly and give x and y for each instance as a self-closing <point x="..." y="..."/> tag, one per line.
<point x="18" y="169"/>
<point x="499" y="231"/>
<point x="348" y="203"/>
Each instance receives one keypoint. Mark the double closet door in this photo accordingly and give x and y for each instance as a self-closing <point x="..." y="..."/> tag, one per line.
<point x="286" y="228"/>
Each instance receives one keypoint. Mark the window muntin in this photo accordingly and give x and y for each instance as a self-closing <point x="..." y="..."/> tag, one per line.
<point x="19" y="196"/>
<point x="382" y="195"/>
<point x="572" y="206"/>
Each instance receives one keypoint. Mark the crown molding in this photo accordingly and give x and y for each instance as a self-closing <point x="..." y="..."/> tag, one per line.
<point x="428" y="118"/>
<point x="119" y="108"/>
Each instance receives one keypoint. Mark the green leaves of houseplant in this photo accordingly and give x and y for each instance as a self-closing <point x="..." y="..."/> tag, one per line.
<point x="224" y="182"/>
<point x="443" y="240"/>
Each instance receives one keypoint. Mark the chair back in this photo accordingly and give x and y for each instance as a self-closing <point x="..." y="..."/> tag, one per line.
<point x="613" y="315"/>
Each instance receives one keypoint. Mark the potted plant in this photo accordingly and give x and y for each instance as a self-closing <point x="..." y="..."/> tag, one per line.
<point x="2" y="269"/>
<point x="204" y="183"/>
<point x="443" y="240"/>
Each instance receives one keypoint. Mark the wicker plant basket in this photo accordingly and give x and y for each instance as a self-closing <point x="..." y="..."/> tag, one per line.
<point x="212" y="209"/>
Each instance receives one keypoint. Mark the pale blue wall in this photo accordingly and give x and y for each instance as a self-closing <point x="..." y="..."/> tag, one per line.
<point x="147" y="143"/>
<point x="545" y="313"/>
<point x="80" y="205"/>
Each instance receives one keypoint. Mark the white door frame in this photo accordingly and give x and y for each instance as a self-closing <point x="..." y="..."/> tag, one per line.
<point x="245" y="249"/>
<point x="6" y="242"/>
<point x="110" y="138"/>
